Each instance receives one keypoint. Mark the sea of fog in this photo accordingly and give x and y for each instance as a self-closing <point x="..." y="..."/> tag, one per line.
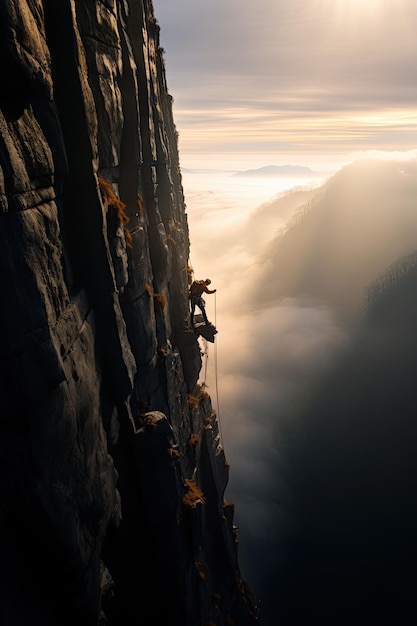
<point x="270" y="355"/>
<point x="216" y="195"/>
<point x="219" y="206"/>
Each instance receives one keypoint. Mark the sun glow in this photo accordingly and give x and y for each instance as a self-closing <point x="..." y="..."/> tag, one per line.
<point x="349" y="10"/>
<point x="359" y="4"/>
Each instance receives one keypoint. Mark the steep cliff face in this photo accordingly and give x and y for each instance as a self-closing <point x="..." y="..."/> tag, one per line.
<point x="112" y="473"/>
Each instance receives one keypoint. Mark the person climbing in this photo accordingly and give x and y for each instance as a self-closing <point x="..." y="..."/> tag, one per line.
<point x="198" y="287"/>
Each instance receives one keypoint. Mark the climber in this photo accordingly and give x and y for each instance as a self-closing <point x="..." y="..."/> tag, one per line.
<point x="198" y="287"/>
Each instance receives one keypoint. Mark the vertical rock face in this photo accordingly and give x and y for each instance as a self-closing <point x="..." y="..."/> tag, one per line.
<point x="112" y="475"/>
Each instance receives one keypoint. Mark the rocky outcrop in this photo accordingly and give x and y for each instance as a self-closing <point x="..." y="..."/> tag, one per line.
<point x="112" y="475"/>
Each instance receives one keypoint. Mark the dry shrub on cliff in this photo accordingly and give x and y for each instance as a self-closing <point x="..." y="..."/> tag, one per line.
<point x="194" y="495"/>
<point x="190" y="273"/>
<point x="202" y="393"/>
<point x="148" y="290"/>
<point x="204" y="396"/>
<point x="160" y="299"/>
<point x="194" y="440"/>
<point x="193" y="401"/>
<point x="216" y="597"/>
<point x="174" y="453"/>
<point x="202" y="570"/>
<point x="209" y="419"/>
<point x="113" y="201"/>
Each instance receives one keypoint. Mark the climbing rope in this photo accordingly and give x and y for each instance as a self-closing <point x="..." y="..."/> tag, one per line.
<point x="205" y="353"/>
<point x="216" y="374"/>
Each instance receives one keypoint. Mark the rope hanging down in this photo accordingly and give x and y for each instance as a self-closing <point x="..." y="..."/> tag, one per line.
<point x="205" y="353"/>
<point x="215" y="374"/>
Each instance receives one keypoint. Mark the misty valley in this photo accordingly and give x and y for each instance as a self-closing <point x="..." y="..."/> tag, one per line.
<point x="317" y="351"/>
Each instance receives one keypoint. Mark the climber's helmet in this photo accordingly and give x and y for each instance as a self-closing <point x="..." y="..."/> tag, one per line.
<point x="208" y="281"/>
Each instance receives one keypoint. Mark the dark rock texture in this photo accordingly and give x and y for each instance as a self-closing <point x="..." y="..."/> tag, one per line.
<point x="112" y="473"/>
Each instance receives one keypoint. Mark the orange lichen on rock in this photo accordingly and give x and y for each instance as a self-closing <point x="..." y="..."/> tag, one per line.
<point x="160" y="299"/>
<point x="202" y="570"/>
<point x="106" y="188"/>
<point x="190" y="273"/>
<point x="193" y="401"/>
<point x="194" y="440"/>
<point x="174" y="453"/>
<point x="194" y="495"/>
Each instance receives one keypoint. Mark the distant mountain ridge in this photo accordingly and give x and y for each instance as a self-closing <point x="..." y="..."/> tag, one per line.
<point x="279" y="170"/>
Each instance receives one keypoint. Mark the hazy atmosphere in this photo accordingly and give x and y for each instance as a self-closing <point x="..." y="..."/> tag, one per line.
<point x="314" y="368"/>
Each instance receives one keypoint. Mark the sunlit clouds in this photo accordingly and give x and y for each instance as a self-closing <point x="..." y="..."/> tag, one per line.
<point x="294" y="131"/>
<point x="292" y="77"/>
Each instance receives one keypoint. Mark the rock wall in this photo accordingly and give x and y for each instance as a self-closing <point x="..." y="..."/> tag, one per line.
<point x="112" y="473"/>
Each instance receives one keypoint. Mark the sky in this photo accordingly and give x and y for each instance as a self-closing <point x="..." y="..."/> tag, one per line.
<point x="300" y="81"/>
